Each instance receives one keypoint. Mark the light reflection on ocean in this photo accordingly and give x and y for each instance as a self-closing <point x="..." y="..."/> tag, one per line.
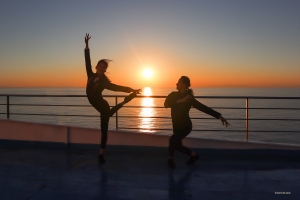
<point x="146" y="124"/>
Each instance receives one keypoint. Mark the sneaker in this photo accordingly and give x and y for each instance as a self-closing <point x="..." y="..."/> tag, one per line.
<point x="101" y="158"/>
<point x="129" y="97"/>
<point x="192" y="159"/>
<point x="171" y="163"/>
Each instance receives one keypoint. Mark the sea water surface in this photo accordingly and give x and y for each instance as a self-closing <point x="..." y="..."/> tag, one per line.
<point x="131" y="117"/>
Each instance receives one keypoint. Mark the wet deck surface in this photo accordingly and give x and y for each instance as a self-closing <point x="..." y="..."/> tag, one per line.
<point x="141" y="173"/>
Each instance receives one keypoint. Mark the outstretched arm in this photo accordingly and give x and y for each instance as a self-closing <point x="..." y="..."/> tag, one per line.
<point x="111" y="86"/>
<point x="88" y="65"/>
<point x="199" y="106"/>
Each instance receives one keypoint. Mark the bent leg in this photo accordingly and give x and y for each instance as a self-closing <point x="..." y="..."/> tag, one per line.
<point x="183" y="149"/>
<point x="175" y="142"/>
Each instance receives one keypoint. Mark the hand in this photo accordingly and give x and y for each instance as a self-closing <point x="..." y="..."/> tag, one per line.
<point x="138" y="91"/>
<point x="187" y="98"/>
<point x="86" y="39"/>
<point x="224" y="121"/>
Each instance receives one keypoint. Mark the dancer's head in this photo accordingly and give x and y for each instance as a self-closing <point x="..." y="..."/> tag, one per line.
<point x="102" y="66"/>
<point x="183" y="84"/>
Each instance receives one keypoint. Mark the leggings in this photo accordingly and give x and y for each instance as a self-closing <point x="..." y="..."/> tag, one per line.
<point x="106" y="112"/>
<point x="175" y="141"/>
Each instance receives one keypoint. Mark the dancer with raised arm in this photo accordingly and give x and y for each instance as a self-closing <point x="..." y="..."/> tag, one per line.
<point x="180" y="103"/>
<point x="96" y="83"/>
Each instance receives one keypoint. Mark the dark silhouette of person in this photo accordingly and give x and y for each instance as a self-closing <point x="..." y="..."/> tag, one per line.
<point x="180" y="103"/>
<point x="96" y="83"/>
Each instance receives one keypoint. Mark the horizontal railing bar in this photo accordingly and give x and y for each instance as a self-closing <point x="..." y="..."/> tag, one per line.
<point x="55" y="115"/>
<point x="277" y="119"/>
<point x="41" y="114"/>
<point x="70" y="105"/>
<point x="154" y="96"/>
<point x="219" y="130"/>
<point x="218" y="108"/>
<point x="126" y="116"/>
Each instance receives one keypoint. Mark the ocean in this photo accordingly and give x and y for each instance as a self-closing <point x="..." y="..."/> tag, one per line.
<point x="203" y="128"/>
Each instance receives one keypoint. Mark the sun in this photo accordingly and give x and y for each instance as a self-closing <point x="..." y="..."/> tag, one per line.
<point x="148" y="73"/>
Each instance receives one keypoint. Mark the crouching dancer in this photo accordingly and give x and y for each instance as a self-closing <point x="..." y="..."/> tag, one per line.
<point x="180" y="103"/>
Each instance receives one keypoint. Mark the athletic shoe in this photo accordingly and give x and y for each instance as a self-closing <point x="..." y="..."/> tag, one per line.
<point x="192" y="159"/>
<point x="101" y="158"/>
<point x="171" y="163"/>
<point x="129" y="97"/>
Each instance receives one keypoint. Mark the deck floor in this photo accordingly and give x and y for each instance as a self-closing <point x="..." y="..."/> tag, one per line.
<point x="140" y="173"/>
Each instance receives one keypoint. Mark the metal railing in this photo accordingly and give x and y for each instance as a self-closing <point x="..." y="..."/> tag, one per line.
<point x="246" y="108"/>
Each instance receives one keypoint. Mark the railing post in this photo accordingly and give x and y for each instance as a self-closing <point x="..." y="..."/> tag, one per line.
<point x="116" y="114"/>
<point x="247" y="112"/>
<point x="7" y="107"/>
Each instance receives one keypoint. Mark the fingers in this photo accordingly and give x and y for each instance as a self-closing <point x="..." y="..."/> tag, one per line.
<point x="224" y="122"/>
<point x="227" y="124"/>
<point x="87" y="36"/>
<point x="138" y="91"/>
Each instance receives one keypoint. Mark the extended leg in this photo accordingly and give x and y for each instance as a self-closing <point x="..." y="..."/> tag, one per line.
<point x="114" y="109"/>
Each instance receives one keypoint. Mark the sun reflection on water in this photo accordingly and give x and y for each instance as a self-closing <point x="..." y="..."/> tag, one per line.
<point x="147" y="123"/>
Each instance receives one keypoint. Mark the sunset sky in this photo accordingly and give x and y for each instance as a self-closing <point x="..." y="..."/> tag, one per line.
<point x="232" y="43"/>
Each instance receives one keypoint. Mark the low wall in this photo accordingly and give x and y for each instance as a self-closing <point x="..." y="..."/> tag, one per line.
<point x="27" y="131"/>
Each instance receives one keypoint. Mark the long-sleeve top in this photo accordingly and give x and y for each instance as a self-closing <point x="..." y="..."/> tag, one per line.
<point x="180" y="111"/>
<point x="95" y="84"/>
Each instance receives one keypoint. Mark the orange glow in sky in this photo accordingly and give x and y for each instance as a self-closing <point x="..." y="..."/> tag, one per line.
<point x="151" y="43"/>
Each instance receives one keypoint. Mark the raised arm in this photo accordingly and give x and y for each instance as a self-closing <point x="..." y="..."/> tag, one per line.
<point x="88" y="65"/>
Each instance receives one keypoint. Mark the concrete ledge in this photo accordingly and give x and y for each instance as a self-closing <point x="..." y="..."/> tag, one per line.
<point x="34" y="132"/>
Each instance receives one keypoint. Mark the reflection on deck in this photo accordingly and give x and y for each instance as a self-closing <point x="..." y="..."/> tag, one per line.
<point x="146" y="124"/>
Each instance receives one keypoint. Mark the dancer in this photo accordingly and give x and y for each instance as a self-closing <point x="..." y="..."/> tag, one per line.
<point x="96" y="83"/>
<point x="180" y="103"/>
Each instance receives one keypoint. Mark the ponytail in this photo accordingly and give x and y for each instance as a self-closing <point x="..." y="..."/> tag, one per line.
<point x="190" y="91"/>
